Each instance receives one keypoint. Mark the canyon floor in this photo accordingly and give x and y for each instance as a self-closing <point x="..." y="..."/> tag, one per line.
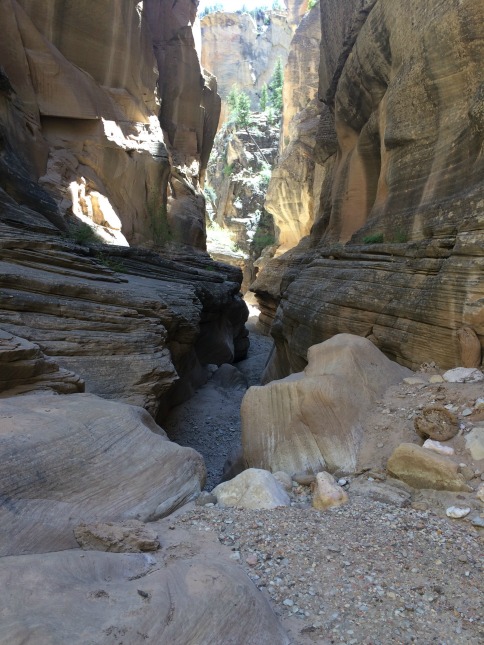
<point x="388" y="567"/>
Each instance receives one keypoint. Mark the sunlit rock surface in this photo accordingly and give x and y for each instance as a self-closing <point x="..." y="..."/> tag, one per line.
<point x="396" y="252"/>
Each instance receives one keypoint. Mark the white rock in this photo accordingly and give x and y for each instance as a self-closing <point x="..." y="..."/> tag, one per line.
<point x="467" y="412"/>
<point x="253" y="489"/>
<point x="480" y="492"/>
<point x="479" y="403"/>
<point x="475" y="442"/>
<point x="456" y="512"/>
<point x="436" y="446"/>
<point x="463" y="375"/>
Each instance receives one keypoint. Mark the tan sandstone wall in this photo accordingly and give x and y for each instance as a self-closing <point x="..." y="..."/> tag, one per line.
<point x="400" y="142"/>
<point x="85" y="118"/>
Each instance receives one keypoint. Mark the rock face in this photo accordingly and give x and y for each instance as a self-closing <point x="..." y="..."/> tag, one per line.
<point x="238" y="174"/>
<point x="79" y="116"/>
<point x="396" y="250"/>
<point x="80" y="458"/>
<point x="242" y="50"/>
<point x="311" y="421"/>
<point x="92" y="597"/>
<point x="24" y="368"/>
<point x="293" y="193"/>
<point x="130" y="336"/>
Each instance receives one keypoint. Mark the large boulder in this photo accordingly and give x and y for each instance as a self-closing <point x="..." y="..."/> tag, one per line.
<point x="73" y="459"/>
<point x="312" y="421"/>
<point x="84" y="597"/>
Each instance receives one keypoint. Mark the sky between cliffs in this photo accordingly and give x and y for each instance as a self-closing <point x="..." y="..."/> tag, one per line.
<point x="234" y="5"/>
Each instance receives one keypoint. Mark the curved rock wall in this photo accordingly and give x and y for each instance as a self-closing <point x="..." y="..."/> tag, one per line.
<point x="293" y="192"/>
<point x="79" y="113"/>
<point x="396" y="251"/>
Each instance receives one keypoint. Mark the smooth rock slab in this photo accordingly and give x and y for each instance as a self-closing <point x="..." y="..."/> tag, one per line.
<point x="421" y="468"/>
<point x="80" y="597"/>
<point x="253" y="489"/>
<point x="73" y="459"/>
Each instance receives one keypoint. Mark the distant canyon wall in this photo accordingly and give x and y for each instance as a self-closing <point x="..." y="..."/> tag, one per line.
<point x="396" y="250"/>
<point x="79" y="109"/>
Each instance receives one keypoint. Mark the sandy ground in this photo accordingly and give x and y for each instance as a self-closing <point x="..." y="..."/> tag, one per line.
<point x="210" y="420"/>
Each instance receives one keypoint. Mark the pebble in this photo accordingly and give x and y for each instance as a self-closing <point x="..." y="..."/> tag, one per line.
<point x="467" y="412"/>
<point x="478" y="521"/>
<point x="456" y="512"/>
<point x="288" y="602"/>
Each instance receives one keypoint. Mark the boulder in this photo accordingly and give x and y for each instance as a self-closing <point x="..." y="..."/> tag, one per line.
<point x="421" y="468"/>
<point x="391" y="491"/>
<point x="81" y="597"/>
<point x="327" y="493"/>
<point x="312" y="421"/>
<point x="436" y="422"/>
<point x="73" y="459"/>
<point x="254" y="489"/>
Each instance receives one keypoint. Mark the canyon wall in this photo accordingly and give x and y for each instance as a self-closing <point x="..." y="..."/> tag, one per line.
<point x="79" y="113"/>
<point x="396" y="251"/>
<point x="86" y="136"/>
<point x="242" y="51"/>
<point x="293" y="192"/>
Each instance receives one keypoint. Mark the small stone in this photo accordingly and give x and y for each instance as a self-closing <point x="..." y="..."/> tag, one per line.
<point x="303" y="479"/>
<point x="414" y="380"/>
<point x="288" y="602"/>
<point x="436" y="446"/>
<point x="436" y="378"/>
<point x="235" y="555"/>
<point x="327" y="493"/>
<point x="462" y="558"/>
<point x="456" y="512"/>
<point x="467" y="412"/>
<point x="379" y="445"/>
<point x="478" y="521"/>
<point x="342" y="482"/>
<point x="475" y="442"/>
<point x="251" y="560"/>
<point x="467" y="472"/>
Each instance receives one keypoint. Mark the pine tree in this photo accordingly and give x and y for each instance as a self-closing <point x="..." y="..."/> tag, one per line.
<point x="263" y="98"/>
<point x="275" y="87"/>
<point x="243" y="110"/>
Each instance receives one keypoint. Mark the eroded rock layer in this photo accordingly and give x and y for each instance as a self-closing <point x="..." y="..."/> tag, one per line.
<point x="397" y="250"/>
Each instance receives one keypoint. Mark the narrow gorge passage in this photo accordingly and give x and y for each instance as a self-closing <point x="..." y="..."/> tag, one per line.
<point x="210" y="421"/>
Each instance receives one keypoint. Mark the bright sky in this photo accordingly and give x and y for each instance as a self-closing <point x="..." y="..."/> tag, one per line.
<point x="234" y="5"/>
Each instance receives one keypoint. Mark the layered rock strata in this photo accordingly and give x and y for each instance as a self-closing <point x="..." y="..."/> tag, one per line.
<point x="396" y="251"/>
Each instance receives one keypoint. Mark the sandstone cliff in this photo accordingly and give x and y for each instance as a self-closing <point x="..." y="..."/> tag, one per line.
<point x="396" y="253"/>
<point x="293" y="192"/>
<point x="80" y="140"/>
<point x="79" y="113"/>
<point x="242" y="51"/>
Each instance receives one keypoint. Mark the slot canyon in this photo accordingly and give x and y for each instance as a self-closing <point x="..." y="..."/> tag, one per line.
<point x="241" y="322"/>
